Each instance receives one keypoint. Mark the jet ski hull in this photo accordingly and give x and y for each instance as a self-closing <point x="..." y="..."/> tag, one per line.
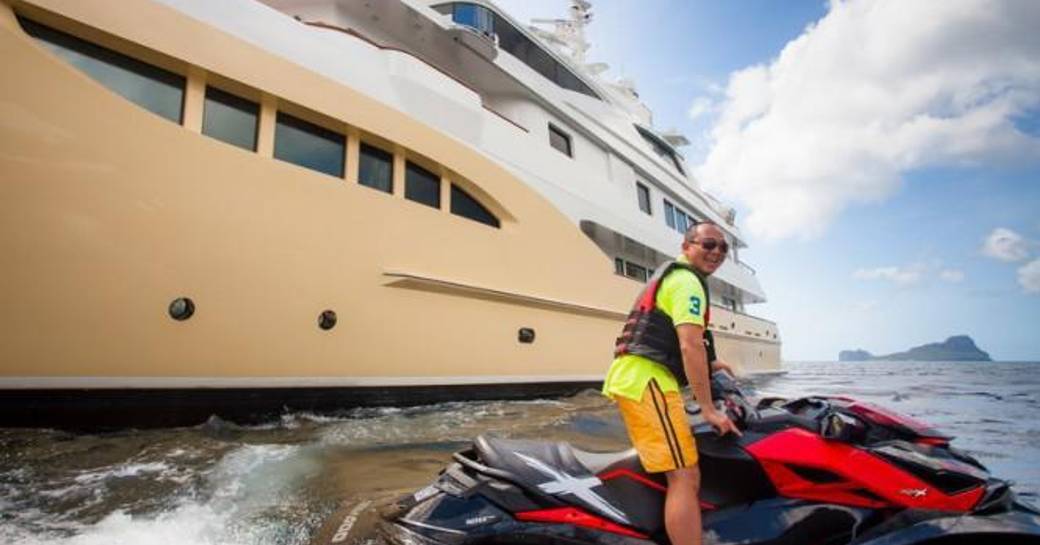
<point x="815" y="470"/>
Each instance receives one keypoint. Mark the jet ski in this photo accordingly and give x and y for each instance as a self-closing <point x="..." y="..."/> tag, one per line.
<point x="823" y="470"/>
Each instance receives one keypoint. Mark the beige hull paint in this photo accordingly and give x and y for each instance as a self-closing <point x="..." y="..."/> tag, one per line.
<point x="107" y="213"/>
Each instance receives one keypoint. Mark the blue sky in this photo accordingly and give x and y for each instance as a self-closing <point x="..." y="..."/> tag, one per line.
<point x="870" y="148"/>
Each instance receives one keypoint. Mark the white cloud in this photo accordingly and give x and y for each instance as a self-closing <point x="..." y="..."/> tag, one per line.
<point x="1029" y="276"/>
<point x="900" y="276"/>
<point x="1005" y="245"/>
<point x="952" y="276"/>
<point x="866" y="306"/>
<point x="701" y="106"/>
<point x="872" y="90"/>
<point x="912" y="274"/>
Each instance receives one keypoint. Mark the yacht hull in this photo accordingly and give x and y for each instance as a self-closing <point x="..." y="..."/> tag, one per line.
<point x="109" y="213"/>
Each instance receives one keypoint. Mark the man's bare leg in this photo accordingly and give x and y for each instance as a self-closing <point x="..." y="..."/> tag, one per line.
<point x="682" y="509"/>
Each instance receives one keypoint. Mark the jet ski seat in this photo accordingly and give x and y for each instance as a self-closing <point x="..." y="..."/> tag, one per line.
<point x="510" y="454"/>
<point x="599" y="462"/>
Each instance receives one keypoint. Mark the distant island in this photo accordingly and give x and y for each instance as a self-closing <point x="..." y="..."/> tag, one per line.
<point x="956" y="348"/>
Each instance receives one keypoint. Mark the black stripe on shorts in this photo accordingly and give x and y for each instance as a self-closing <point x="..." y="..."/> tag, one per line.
<point x="666" y="424"/>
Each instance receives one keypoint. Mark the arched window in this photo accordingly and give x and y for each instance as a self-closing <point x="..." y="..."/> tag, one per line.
<point x="462" y="204"/>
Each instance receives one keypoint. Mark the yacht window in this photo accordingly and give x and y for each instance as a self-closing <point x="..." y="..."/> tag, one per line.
<point x="150" y="87"/>
<point x="514" y="42"/>
<point x="305" y="144"/>
<point x="230" y="119"/>
<point x="643" y="195"/>
<point x="675" y="218"/>
<point x="678" y="164"/>
<point x="635" y="271"/>
<point x="472" y="15"/>
<point x="376" y="168"/>
<point x="462" y="204"/>
<point x="682" y="221"/>
<point x="661" y="148"/>
<point x="520" y="46"/>
<point x="669" y="214"/>
<point x="542" y="62"/>
<point x="566" y="79"/>
<point x="619" y="266"/>
<point x="422" y="186"/>
<point x="560" y="140"/>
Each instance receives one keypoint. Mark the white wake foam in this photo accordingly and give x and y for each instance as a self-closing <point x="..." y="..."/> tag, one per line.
<point x="242" y="487"/>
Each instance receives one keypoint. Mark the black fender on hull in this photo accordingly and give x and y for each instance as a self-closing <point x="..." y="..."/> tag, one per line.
<point x="1020" y="526"/>
<point x="784" y="521"/>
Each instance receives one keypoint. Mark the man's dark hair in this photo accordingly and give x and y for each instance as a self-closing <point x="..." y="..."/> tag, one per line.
<point x="691" y="231"/>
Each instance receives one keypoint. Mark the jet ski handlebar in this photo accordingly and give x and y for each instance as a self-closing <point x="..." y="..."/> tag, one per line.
<point x="730" y="399"/>
<point x="733" y="401"/>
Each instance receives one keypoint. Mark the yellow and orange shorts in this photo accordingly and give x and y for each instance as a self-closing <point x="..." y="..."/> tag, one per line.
<point x="659" y="429"/>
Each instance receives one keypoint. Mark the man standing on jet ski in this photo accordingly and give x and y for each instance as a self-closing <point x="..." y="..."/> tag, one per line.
<point x="664" y="345"/>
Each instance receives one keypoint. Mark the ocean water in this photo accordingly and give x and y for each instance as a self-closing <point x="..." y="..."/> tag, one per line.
<point x="276" y="483"/>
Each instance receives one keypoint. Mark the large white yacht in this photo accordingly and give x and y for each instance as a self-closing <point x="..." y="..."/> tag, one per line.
<point x="243" y="207"/>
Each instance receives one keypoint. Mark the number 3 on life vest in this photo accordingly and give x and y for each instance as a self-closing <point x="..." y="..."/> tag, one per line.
<point x="695" y="305"/>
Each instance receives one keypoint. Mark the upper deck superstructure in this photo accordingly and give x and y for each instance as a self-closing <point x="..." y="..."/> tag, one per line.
<point x="613" y="148"/>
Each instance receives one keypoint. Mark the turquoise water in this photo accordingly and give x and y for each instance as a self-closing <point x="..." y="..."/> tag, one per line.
<point x="276" y="483"/>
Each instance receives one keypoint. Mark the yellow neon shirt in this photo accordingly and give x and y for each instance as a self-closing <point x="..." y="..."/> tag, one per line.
<point x="681" y="297"/>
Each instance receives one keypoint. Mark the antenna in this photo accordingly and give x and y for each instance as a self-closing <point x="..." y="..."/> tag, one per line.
<point x="568" y="33"/>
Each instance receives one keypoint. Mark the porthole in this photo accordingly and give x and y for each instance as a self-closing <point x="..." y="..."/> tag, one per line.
<point x="525" y="335"/>
<point x="181" y="309"/>
<point x="327" y="319"/>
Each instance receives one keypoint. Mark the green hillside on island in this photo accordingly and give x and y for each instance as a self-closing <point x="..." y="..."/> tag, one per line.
<point x="956" y="348"/>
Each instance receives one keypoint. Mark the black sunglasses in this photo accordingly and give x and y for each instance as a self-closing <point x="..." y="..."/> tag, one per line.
<point x="710" y="244"/>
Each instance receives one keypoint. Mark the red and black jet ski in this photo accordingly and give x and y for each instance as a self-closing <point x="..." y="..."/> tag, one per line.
<point x="814" y="470"/>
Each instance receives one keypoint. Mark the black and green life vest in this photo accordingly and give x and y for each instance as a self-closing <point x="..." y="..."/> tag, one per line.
<point x="649" y="331"/>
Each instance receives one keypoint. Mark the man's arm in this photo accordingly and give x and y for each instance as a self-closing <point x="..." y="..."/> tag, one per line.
<point x="695" y="363"/>
<point x="719" y="365"/>
<point x="713" y="358"/>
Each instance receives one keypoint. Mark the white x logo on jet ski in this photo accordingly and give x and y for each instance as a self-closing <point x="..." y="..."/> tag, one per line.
<point x="580" y="487"/>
